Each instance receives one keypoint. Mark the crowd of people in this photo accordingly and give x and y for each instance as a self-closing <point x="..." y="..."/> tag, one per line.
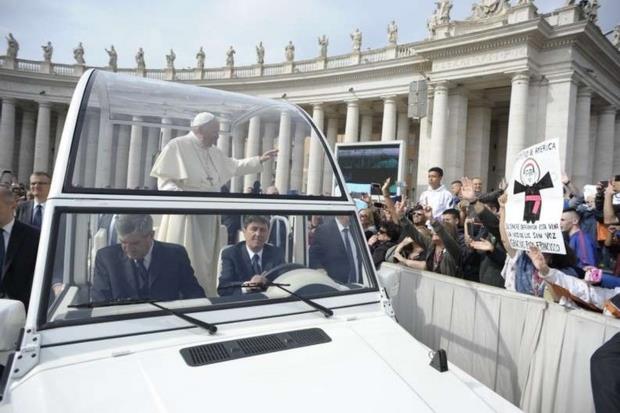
<point x="460" y="232"/>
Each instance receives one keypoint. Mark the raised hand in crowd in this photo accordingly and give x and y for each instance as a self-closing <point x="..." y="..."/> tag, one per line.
<point x="372" y="240"/>
<point x="467" y="190"/>
<point x="483" y="245"/>
<point x="428" y="214"/>
<point x="608" y="207"/>
<point x="399" y="210"/>
<point x="503" y="184"/>
<point x="385" y="189"/>
<point x="538" y="259"/>
<point x="502" y="200"/>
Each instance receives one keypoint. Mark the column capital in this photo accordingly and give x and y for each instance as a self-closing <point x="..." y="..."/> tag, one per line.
<point x="318" y="106"/>
<point x="44" y="104"/>
<point x="389" y="97"/>
<point x="10" y="101"/>
<point x="608" y="110"/>
<point x="523" y="76"/>
<point x="354" y="102"/>
<point x="442" y="85"/>
<point x="584" y="92"/>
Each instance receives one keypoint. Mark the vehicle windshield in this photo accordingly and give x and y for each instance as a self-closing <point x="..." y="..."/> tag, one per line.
<point x="134" y="135"/>
<point x="198" y="260"/>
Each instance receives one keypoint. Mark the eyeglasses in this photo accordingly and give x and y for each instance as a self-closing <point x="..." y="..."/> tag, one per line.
<point x="418" y="214"/>
<point x="382" y="231"/>
<point x="39" y="183"/>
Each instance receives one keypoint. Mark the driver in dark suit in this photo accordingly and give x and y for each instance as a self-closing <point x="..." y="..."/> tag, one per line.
<point x="140" y="267"/>
<point x="246" y="261"/>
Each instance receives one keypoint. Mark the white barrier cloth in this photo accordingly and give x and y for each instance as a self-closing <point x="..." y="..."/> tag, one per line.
<point x="535" y="199"/>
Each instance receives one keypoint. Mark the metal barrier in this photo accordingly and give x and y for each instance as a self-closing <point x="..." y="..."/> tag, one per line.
<point x="534" y="353"/>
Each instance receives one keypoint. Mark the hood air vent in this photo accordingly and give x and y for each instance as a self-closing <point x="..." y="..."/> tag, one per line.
<point x="246" y="347"/>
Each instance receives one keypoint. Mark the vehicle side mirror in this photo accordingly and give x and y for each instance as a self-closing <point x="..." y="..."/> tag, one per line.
<point x="12" y="320"/>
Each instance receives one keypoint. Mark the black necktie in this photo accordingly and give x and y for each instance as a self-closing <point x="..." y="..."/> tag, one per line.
<point x="347" y="246"/>
<point x="142" y="278"/>
<point x="36" y="218"/>
<point x="2" y="252"/>
<point x="256" y="267"/>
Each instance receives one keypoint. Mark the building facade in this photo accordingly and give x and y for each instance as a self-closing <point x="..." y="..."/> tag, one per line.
<point x="468" y="98"/>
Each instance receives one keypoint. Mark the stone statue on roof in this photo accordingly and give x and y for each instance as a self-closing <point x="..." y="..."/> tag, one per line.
<point x="170" y="59"/>
<point x="13" y="47"/>
<point x="489" y="8"/>
<point x="48" y="51"/>
<point x="440" y="16"/>
<point x="356" y="36"/>
<point x="323" y="43"/>
<point x="615" y="37"/>
<point x="392" y="30"/>
<point x="289" y="51"/>
<point x="200" y="58"/>
<point x="260" y="53"/>
<point x="78" y="54"/>
<point x="230" y="57"/>
<point x="140" y="59"/>
<point x="113" y="57"/>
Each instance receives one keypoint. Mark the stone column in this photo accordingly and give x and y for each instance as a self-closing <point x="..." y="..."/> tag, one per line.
<point x="26" y="147"/>
<point x="284" y="153"/>
<point x="60" y="124"/>
<point x="592" y="146"/>
<point x="92" y="159"/>
<point x="224" y="137"/>
<point x="388" y="127"/>
<point x="266" y="177"/>
<point x="134" y="169"/>
<point x="439" y="132"/>
<point x="122" y="156"/>
<point x="351" y="130"/>
<point x="297" y="157"/>
<point x="603" y="161"/>
<point x="617" y="147"/>
<point x="424" y="150"/>
<point x="478" y="137"/>
<point x="252" y="148"/>
<point x="454" y="163"/>
<point x="166" y="132"/>
<point x="366" y="124"/>
<point x="152" y="144"/>
<point x="561" y="104"/>
<point x="501" y="140"/>
<point x="332" y="133"/>
<point x="315" y="163"/>
<point x="581" y="165"/>
<point x="402" y="131"/>
<point x="7" y="134"/>
<point x="517" y="119"/>
<point x="105" y="152"/>
<point x="42" y="138"/>
<point x="238" y="139"/>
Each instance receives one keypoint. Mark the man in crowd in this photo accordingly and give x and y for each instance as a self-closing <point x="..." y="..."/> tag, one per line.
<point x="334" y="250"/>
<point x="455" y="189"/>
<point x="18" y="251"/>
<point x="141" y="268"/>
<point x="246" y="261"/>
<point x="580" y="241"/>
<point x="31" y="212"/>
<point x="436" y="196"/>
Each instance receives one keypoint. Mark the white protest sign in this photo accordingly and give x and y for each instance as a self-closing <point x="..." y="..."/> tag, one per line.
<point x="535" y="199"/>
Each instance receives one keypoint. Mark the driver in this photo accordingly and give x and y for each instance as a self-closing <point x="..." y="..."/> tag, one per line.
<point x="247" y="261"/>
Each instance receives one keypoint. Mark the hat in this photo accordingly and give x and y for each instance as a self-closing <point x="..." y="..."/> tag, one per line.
<point x="202" y="118"/>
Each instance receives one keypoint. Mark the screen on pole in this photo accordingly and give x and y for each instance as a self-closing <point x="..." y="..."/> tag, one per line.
<point x="366" y="163"/>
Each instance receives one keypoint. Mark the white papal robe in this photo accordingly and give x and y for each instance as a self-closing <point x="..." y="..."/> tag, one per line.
<point x="185" y="165"/>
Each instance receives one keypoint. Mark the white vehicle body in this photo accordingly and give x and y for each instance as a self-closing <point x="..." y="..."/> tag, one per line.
<point x="130" y="358"/>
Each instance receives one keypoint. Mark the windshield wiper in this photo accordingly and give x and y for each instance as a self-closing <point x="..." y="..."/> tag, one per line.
<point x="211" y="328"/>
<point x="326" y="311"/>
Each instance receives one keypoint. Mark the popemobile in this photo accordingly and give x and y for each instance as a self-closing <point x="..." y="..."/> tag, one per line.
<point x="179" y="271"/>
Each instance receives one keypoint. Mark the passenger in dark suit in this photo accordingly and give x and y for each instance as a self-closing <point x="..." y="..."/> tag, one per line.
<point x="329" y="251"/>
<point x="246" y="261"/>
<point x="142" y="268"/>
<point x="18" y="251"/>
<point x="31" y="212"/>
